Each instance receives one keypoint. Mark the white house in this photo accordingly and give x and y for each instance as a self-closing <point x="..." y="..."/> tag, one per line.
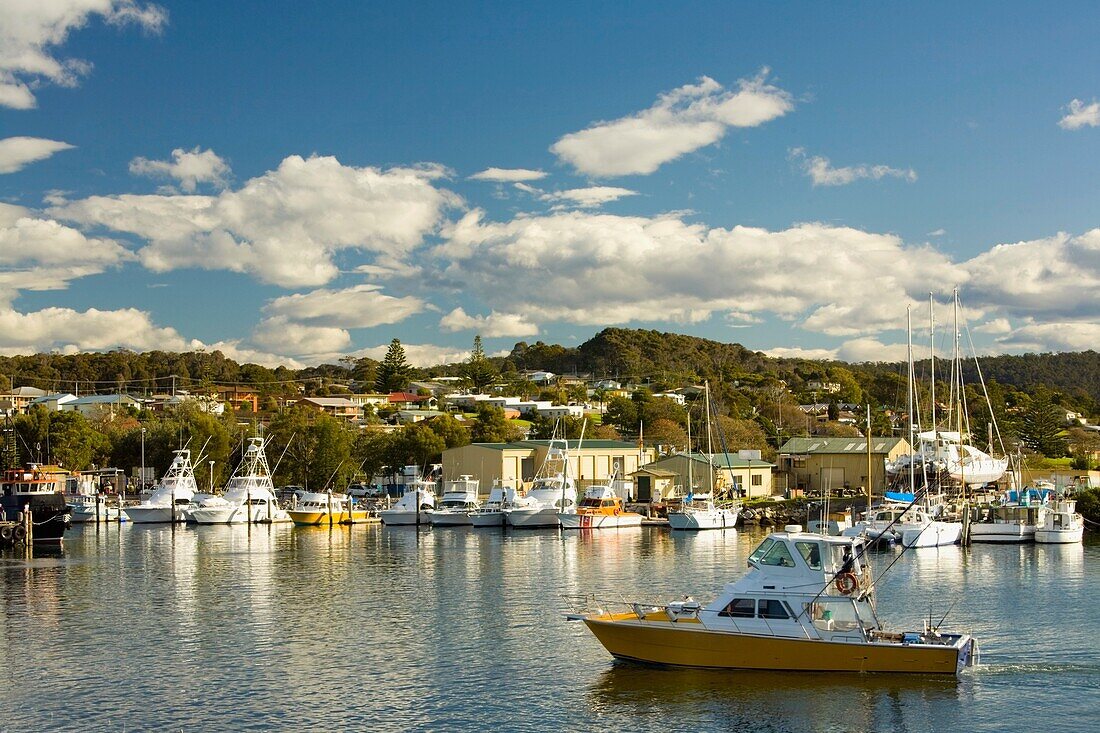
<point x="53" y="402"/>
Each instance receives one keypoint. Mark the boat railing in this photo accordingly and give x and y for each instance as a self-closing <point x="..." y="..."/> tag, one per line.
<point x="584" y="605"/>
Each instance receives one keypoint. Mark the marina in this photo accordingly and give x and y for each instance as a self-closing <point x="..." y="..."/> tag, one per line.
<point x="478" y="617"/>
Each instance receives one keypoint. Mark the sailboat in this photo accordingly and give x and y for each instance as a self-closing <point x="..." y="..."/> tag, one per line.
<point x="699" y="510"/>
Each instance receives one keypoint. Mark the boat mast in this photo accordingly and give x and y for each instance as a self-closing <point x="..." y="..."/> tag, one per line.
<point x="932" y="356"/>
<point x="710" y="443"/>
<point x="909" y="392"/>
<point x="869" y="458"/>
<point x="690" y="459"/>
<point x="958" y="389"/>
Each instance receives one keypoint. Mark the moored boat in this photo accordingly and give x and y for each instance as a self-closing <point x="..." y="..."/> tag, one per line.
<point x="172" y="497"/>
<point x="249" y="495"/>
<point x="491" y="513"/>
<point x="552" y="494"/>
<point x="1061" y="524"/>
<point x="600" y="508"/>
<point x="458" y="503"/>
<point x="701" y="512"/>
<point x="413" y="507"/>
<point x="325" y="508"/>
<point x="807" y="603"/>
<point x="39" y="490"/>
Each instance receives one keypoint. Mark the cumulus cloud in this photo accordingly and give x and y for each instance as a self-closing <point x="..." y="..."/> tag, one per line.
<point x="822" y="173"/>
<point x="681" y="121"/>
<point x="1052" y="336"/>
<point x="70" y="331"/>
<point x="42" y="254"/>
<point x="1057" y="277"/>
<point x="361" y="306"/>
<point x="492" y="325"/>
<point x="871" y="350"/>
<point x="279" y="334"/>
<point x="30" y="33"/>
<point x="797" y="352"/>
<point x="599" y="269"/>
<point x="17" y="152"/>
<point x="588" y="198"/>
<point x="419" y="355"/>
<point x="1080" y="115"/>
<point x="284" y="227"/>
<point x="508" y="175"/>
<point x="189" y="167"/>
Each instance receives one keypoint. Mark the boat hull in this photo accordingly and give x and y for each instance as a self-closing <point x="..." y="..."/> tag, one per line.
<point x="1060" y="536"/>
<point x="600" y="521"/>
<point x="151" y="514"/>
<point x="936" y="534"/>
<point x="986" y="532"/>
<point x="450" y="519"/>
<point x="487" y="519"/>
<point x="531" y="518"/>
<point x="400" y="517"/>
<point x="688" y="645"/>
<point x="237" y="515"/>
<point x="83" y="513"/>
<point x="692" y="521"/>
<point x="318" y="518"/>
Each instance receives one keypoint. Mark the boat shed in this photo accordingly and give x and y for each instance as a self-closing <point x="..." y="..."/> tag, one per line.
<point x="740" y="477"/>
<point x="517" y="462"/>
<point x="816" y="464"/>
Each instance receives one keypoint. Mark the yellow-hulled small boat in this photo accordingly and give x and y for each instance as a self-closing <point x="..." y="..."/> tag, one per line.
<point x="312" y="509"/>
<point x="806" y="604"/>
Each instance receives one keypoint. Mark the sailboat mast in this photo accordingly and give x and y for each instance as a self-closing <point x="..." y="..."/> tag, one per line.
<point x="909" y="392"/>
<point x="868" y="459"/>
<point x="690" y="459"/>
<point x="710" y="442"/>
<point x="932" y="355"/>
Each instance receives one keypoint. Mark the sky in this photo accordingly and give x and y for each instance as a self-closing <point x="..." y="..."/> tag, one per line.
<point x="293" y="183"/>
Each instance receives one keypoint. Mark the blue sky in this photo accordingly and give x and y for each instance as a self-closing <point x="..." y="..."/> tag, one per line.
<point x="294" y="182"/>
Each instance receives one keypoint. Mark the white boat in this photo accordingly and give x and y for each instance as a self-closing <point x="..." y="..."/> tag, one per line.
<point x="1061" y="523"/>
<point x="700" y="512"/>
<point x="85" y="509"/>
<point x="249" y="496"/>
<point x="1009" y="522"/>
<point x="460" y="500"/>
<point x="601" y="508"/>
<point x="172" y="496"/>
<point x="907" y="525"/>
<point x="491" y="513"/>
<point x="553" y="492"/>
<point x="418" y="499"/>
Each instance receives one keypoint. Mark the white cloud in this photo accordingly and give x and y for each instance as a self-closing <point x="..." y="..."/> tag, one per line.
<point x="590" y="197"/>
<point x="1057" y="277"/>
<point x="493" y="325"/>
<point x="508" y="175"/>
<point x="1052" y="336"/>
<point x="822" y="173"/>
<point x="1080" y="115"/>
<point x="17" y="152"/>
<point x="871" y="350"/>
<point x="279" y="334"/>
<point x="681" y="121"/>
<point x="42" y="254"/>
<point x="797" y="352"/>
<point x="284" y="227"/>
<point x="361" y="306"/>
<point x="189" y="167"/>
<point x="995" y="326"/>
<point x="419" y="355"/>
<point x="937" y="232"/>
<point x="31" y="30"/>
<point x="599" y="269"/>
<point x="71" y="331"/>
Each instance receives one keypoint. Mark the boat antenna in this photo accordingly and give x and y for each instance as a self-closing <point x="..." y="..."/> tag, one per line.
<point x="283" y="454"/>
<point x="944" y="616"/>
<point x="330" y="478"/>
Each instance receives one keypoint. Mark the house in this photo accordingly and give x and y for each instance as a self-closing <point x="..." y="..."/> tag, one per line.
<point x="341" y="408"/>
<point x="819" y="386"/>
<point x="21" y="397"/>
<point x="206" y="403"/>
<point x="655" y="485"/>
<point x="412" y="401"/>
<point x="816" y="464"/>
<point x="743" y="475"/>
<point x="53" y="402"/>
<point x="405" y="417"/>
<point x="539" y="377"/>
<point x="102" y="405"/>
<point x="675" y="397"/>
<point x="556" y="411"/>
<point x="238" y="398"/>
<point x="517" y="462"/>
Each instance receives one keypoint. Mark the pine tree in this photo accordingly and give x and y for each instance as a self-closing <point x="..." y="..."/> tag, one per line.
<point x="478" y="370"/>
<point x="1041" y="425"/>
<point x="393" y="372"/>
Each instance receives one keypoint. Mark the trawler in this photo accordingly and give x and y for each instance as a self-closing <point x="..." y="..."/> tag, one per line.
<point x="807" y="603"/>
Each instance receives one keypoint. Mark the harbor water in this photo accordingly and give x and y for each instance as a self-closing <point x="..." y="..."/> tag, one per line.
<point x="374" y="628"/>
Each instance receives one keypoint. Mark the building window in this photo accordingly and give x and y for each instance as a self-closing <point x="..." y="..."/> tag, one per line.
<point x="757" y="480"/>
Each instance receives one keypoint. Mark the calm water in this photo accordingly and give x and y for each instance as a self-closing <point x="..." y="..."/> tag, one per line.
<point x="220" y="628"/>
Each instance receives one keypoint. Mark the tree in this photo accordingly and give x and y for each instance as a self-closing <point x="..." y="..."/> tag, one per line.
<point x="666" y="432"/>
<point x="393" y="372"/>
<point x="623" y="414"/>
<point x="740" y="435"/>
<point x="492" y="427"/>
<point x="478" y="371"/>
<point x="1041" y="425"/>
<point x="453" y="433"/>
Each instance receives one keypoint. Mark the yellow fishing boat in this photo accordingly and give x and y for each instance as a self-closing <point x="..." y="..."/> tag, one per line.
<point x="312" y="509"/>
<point x="807" y="603"/>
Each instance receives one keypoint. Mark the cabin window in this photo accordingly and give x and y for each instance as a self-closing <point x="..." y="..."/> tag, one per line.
<point x="811" y="553"/>
<point x="772" y="609"/>
<point x="739" y="608"/>
<point x="762" y="550"/>
<point x="778" y="556"/>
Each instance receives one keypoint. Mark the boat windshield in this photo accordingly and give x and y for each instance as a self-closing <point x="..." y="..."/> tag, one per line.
<point x="774" y="553"/>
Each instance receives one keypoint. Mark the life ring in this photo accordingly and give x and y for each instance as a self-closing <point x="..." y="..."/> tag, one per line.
<point x="19" y="532"/>
<point x="616" y="511"/>
<point x="846" y="583"/>
<point x="6" y="533"/>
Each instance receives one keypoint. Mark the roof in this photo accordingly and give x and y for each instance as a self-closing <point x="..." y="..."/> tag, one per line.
<point x="102" y="399"/>
<point x="824" y="446"/>
<point x="659" y="472"/>
<point x="719" y="460"/>
<point x="26" y="392"/>
<point x="330" y="401"/>
<point x="407" y="397"/>
<point x="52" y="397"/>
<point x="588" y="444"/>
